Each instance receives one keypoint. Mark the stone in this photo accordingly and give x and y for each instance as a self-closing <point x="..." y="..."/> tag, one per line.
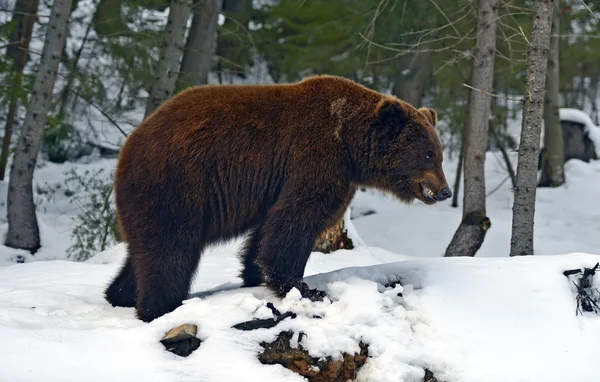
<point x="182" y="340"/>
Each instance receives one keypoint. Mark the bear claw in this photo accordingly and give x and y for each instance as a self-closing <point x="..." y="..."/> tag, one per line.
<point x="311" y="294"/>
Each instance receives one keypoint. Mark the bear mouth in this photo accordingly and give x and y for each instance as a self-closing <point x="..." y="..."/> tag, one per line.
<point x="428" y="195"/>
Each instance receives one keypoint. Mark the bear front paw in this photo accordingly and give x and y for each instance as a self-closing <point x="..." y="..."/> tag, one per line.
<point x="305" y="291"/>
<point x="313" y="294"/>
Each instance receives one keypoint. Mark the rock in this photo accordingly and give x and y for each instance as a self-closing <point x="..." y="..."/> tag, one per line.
<point x="182" y="340"/>
<point x="429" y="377"/>
<point x="185" y="347"/>
<point x="180" y="333"/>
<point x="314" y="369"/>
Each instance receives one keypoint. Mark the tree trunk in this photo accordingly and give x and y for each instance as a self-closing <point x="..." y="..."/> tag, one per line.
<point x="233" y="48"/>
<point x="470" y="234"/>
<point x="170" y="55"/>
<point x="553" y="157"/>
<point x="461" y="155"/>
<point x="411" y="89"/>
<point x="23" y="17"/>
<point x="461" y="159"/>
<point x="504" y="152"/>
<point x="23" y="231"/>
<point x="200" y="46"/>
<point x="64" y="98"/>
<point x="521" y="242"/>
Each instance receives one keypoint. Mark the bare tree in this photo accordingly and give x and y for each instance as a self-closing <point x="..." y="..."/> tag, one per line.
<point x="471" y="232"/>
<point x="521" y="242"/>
<point x="553" y="155"/>
<point x="200" y="45"/>
<point x="23" y="19"/>
<point x="170" y="55"/>
<point x="23" y="231"/>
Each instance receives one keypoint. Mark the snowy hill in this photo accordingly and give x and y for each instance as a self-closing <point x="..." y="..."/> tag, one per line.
<point x="489" y="319"/>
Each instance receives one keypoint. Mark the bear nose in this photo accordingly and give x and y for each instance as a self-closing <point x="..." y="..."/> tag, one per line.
<point x="444" y="194"/>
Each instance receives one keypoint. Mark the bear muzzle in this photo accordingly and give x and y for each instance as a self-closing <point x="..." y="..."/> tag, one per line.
<point x="443" y="194"/>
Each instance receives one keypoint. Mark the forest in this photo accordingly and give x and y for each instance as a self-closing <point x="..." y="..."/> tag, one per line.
<point x="516" y="88"/>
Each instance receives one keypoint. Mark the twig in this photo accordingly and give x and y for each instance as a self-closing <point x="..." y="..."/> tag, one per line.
<point x="588" y="297"/>
<point x="589" y="9"/>
<point x="493" y="95"/>
<point x="107" y="221"/>
<point x="524" y="36"/>
<point x="112" y="121"/>
<point x="497" y="187"/>
<point x="403" y="12"/>
<point x="502" y="147"/>
<point x="446" y="17"/>
<point x="413" y="48"/>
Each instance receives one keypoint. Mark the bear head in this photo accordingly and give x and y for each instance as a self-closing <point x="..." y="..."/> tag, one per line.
<point x="406" y="155"/>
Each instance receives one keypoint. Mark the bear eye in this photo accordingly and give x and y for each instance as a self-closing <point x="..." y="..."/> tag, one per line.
<point x="429" y="155"/>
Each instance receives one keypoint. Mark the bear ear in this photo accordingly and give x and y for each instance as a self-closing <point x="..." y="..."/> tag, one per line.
<point x="430" y="114"/>
<point x="390" y="112"/>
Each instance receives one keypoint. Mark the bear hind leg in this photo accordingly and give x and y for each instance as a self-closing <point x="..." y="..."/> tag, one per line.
<point x="123" y="290"/>
<point x="251" y="273"/>
<point x="164" y="275"/>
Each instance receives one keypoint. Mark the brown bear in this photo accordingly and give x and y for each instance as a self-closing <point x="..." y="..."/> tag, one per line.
<point x="281" y="162"/>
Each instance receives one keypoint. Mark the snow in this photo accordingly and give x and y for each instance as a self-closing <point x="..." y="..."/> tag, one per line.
<point x="465" y="319"/>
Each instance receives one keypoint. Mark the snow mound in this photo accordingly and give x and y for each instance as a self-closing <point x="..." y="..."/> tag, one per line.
<point x="464" y="319"/>
<point x="590" y="128"/>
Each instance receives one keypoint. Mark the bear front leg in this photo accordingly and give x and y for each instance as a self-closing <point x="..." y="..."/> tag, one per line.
<point x="289" y="234"/>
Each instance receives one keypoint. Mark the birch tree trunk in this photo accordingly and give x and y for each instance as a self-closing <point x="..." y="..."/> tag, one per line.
<point x="521" y="242"/>
<point x="471" y="232"/>
<point x="200" y="45"/>
<point x="553" y="156"/>
<point x="170" y="55"/>
<point x="24" y="14"/>
<point x="23" y="231"/>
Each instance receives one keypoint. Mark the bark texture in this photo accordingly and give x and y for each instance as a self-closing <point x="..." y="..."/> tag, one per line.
<point x="170" y="55"/>
<point x="23" y="17"/>
<point x="468" y="238"/>
<point x="23" y="231"/>
<point x="521" y="242"/>
<point x="553" y="157"/>
<point x="200" y="45"/>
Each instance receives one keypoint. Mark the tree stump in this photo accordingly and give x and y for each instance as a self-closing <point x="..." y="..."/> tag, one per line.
<point x="334" y="238"/>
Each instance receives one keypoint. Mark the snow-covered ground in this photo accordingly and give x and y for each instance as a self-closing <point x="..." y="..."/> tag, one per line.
<point x="489" y="318"/>
<point x="467" y="319"/>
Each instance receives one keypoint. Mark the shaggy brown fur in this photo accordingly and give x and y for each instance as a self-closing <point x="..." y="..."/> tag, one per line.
<point x="279" y="161"/>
